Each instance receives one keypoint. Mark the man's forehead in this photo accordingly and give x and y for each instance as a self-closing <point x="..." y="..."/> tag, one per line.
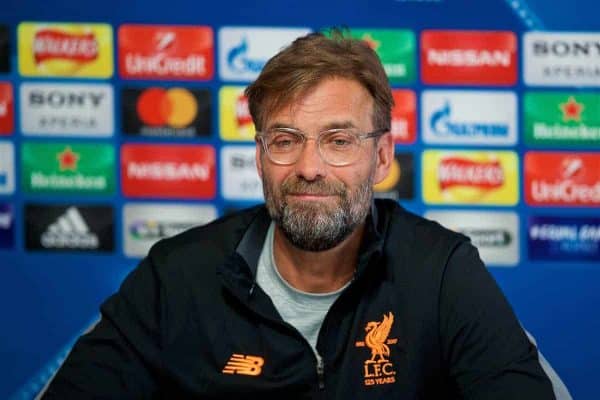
<point x="334" y="102"/>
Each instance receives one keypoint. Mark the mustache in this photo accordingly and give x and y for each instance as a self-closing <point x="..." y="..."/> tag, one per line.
<point x="318" y="187"/>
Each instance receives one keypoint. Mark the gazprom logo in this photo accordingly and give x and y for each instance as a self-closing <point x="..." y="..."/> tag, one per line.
<point x="483" y="118"/>
<point x="441" y="124"/>
<point x="244" y="50"/>
<point x="238" y="59"/>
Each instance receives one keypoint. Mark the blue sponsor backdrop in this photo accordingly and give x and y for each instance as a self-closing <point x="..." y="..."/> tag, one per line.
<point x="46" y="300"/>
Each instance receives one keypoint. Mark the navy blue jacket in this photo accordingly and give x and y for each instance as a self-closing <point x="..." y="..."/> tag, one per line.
<point x="422" y="319"/>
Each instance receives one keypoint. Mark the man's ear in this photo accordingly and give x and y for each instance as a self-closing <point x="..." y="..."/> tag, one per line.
<point x="258" y="157"/>
<point x="385" y="157"/>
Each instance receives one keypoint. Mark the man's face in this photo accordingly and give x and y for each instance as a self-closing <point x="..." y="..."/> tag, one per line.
<point x="317" y="205"/>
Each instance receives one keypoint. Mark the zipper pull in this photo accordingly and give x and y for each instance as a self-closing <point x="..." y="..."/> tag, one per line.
<point x="320" y="372"/>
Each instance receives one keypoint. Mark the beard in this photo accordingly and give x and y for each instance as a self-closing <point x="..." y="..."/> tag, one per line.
<point x="318" y="225"/>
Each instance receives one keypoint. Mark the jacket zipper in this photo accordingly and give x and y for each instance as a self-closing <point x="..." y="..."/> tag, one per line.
<point x="320" y="372"/>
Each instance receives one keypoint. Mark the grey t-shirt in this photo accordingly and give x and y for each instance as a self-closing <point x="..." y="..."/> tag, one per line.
<point x="304" y="311"/>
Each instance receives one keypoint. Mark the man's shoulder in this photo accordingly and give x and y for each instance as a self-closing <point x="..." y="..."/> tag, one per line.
<point x="206" y="243"/>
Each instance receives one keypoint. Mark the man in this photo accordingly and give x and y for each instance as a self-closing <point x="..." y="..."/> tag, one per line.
<point x="323" y="293"/>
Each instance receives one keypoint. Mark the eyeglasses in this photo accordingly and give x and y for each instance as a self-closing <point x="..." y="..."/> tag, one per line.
<point x="337" y="147"/>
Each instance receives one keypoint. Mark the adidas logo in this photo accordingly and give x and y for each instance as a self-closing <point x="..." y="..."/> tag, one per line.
<point x="69" y="231"/>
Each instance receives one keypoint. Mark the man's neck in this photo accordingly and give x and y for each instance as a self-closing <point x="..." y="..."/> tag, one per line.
<point x="320" y="271"/>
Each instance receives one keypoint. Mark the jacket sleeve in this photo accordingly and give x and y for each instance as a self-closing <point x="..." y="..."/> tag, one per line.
<point x="119" y="357"/>
<point x="487" y="352"/>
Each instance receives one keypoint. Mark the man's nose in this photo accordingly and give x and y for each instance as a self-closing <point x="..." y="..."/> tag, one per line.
<point x="310" y="165"/>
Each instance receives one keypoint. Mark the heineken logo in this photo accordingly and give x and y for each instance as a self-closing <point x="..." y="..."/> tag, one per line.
<point x="571" y="110"/>
<point x="562" y="118"/>
<point x="82" y="168"/>
<point x="67" y="159"/>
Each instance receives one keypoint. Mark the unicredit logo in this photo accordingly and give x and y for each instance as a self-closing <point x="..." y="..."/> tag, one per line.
<point x="161" y="51"/>
<point x="464" y="172"/>
<point x="558" y="178"/>
<point x="57" y="44"/>
<point x="565" y="192"/>
<point x="170" y="171"/>
<point x="162" y="63"/>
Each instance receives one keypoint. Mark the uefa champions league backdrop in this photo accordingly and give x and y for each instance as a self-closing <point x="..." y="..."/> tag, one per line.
<point x="124" y="122"/>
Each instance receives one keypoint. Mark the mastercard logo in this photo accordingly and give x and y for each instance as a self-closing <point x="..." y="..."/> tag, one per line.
<point x="175" y="107"/>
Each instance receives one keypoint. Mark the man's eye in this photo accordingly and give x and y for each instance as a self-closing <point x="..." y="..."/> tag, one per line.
<point x="339" y="141"/>
<point x="283" y="142"/>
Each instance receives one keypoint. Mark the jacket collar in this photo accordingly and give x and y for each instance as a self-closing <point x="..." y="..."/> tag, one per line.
<point x="251" y="244"/>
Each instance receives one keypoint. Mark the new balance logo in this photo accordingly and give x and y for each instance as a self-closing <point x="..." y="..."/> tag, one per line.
<point x="69" y="231"/>
<point x="244" y="365"/>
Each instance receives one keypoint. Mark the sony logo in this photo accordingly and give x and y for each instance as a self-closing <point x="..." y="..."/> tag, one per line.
<point x="566" y="48"/>
<point x="62" y="99"/>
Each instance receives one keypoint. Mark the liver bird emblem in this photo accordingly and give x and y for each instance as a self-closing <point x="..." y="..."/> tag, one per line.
<point x="377" y="334"/>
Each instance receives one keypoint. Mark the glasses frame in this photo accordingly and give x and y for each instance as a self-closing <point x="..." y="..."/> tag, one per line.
<point x="361" y="137"/>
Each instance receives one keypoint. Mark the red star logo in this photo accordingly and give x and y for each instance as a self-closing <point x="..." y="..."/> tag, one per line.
<point x="571" y="110"/>
<point x="370" y="41"/>
<point x="67" y="159"/>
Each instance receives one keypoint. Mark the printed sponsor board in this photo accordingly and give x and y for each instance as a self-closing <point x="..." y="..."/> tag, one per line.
<point x="168" y="171"/>
<point x="146" y="223"/>
<point x="396" y="49"/>
<point x="162" y="112"/>
<point x="7" y="109"/>
<point x="7" y="226"/>
<point x="483" y="118"/>
<point x="65" y="109"/>
<point x="404" y="116"/>
<point x="469" y="57"/>
<point x="64" y="49"/>
<point x="495" y="234"/>
<point x="399" y="184"/>
<point x="82" y="168"/>
<point x="7" y="168"/>
<point x="69" y="227"/>
<point x="561" y="58"/>
<point x="562" y="118"/>
<point x="236" y="121"/>
<point x="470" y="177"/>
<point x="239" y="177"/>
<point x="243" y="51"/>
<point x="4" y="49"/>
<point x="166" y="52"/>
<point x="552" y="238"/>
<point x="562" y="179"/>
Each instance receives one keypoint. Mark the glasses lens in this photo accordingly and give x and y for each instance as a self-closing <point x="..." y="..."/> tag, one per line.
<point x="283" y="146"/>
<point x="339" y="147"/>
